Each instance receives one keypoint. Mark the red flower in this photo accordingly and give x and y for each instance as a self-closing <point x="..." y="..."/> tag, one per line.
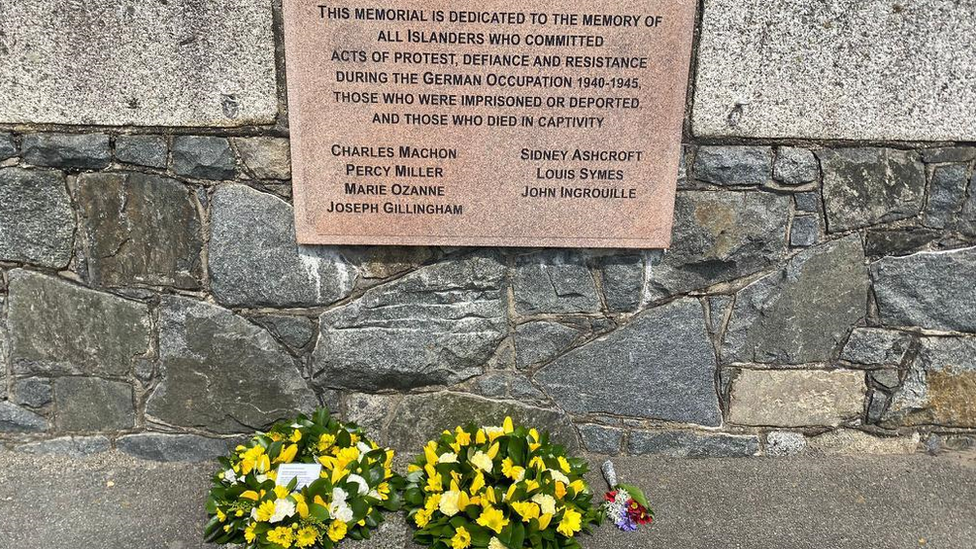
<point x="638" y="513"/>
<point x="610" y="496"/>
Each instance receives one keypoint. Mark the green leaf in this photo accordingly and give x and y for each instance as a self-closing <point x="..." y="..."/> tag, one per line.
<point x="636" y="494"/>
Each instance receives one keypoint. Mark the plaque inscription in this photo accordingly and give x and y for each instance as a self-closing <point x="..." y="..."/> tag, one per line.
<point x="489" y="123"/>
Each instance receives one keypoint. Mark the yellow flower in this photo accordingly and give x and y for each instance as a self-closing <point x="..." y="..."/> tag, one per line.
<point x="325" y="442"/>
<point x="481" y="461"/>
<point x="221" y="516"/>
<point x="353" y="439"/>
<point x="433" y="503"/>
<point x="462" y="437"/>
<point x="422" y="518"/>
<point x="288" y="454"/>
<point x="531" y="486"/>
<point x="544" y="521"/>
<point x="430" y="452"/>
<point x="526" y="510"/>
<point x="496" y="543"/>
<point x="564" y="465"/>
<point x="461" y="539"/>
<point x="434" y="483"/>
<point x="480" y="437"/>
<point x="537" y="463"/>
<point x="488" y="497"/>
<point x="337" y="530"/>
<point x="570" y="524"/>
<point x="560" y="490"/>
<point x="300" y="504"/>
<point x="493" y="451"/>
<point x="546" y="502"/>
<point x="281" y="535"/>
<point x="295" y="436"/>
<point x="281" y="492"/>
<point x="453" y="501"/>
<point x="250" y="494"/>
<point x="275" y="436"/>
<point x="306" y="537"/>
<point x="578" y="486"/>
<point x="493" y="519"/>
<point x="265" y="511"/>
<point x="249" y="534"/>
<point x="478" y="483"/>
<point x="512" y="471"/>
<point x="493" y="433"/>
<point x="508" y="426"/>
<point x="252" y="459"/>
<point x="447" y="457"/>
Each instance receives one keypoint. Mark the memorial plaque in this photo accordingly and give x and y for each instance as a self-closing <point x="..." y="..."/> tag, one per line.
<point x="489" y="123"/>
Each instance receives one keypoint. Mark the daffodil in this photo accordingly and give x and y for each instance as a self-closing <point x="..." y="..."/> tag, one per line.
<point x="492" y="519"/>
<point x="478" y="483"/>
<point x="288" y="454"/>
<point x="461" y="539"/>
<point x="295" y="436"/>
<point x="570" y="523"/>
<point x="325" y="442"/>
<point x="508" y="426"/>
<point x="493" y="433"/>
<point x="527" y="510"/>
<point x="564" y="464"/>
<point x="462" y="437"/>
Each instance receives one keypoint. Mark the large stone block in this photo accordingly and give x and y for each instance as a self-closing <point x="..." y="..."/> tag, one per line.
<point x="720" y="236"/>
<point x="940" y="386"/>
<point x="437" y="325"/>
<point x="932" y="290"/>
<point x="93" y="404"/>
<point x="684" y="444"/>
<point x="864" y="187"/>
<point x="90" y="151"/>
<point x="796" y="398"/>
<point x="802" y="313"/>
<point x="114" y="62"/>
<point x="871" y="69"/>
<point x="15" y="418"/>
<point x="36" y="221"/>
<point x="220" y="372"/>
<point x="139" y="229"/>
<point x="554" y="282"/>
<point x="255" y="261"/>
<point x="60" y="328"/>
<point x="660" y="366"/>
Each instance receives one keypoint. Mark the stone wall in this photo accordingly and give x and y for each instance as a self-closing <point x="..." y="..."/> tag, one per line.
<point x="820" y="294"/>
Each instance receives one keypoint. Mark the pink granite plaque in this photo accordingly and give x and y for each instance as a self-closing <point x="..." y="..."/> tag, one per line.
<point x="488" y="123"/>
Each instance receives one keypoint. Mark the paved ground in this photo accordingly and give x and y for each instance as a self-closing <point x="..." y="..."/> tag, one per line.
<point x="113" y="501"/>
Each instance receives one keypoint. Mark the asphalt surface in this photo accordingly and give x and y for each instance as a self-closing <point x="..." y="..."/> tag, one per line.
<point x="111" y="500"/>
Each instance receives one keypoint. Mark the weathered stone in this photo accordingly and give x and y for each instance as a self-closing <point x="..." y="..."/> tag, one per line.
<point x="660" y="366"/>
<point x="932" y="290"/>
<point x="492" y="385"/>
<point x="949" y="154"/>
<point x="850" y="441"/>
<point x="691" y="444"/>
<point x="180" y="447"/>
<point x="14" y="418"/>
<point x="204" y="157"/>
<point x="805" y="231"/>
<point x="869" y="70"/>
<point x="867" y="186"/>
<point x="33" y="391"/>
<point x="116" y="64"/>
<point x="795" y="166"/>
<point x="142" y="150"/>
<point x="265" y="157"/>
<point x="898" y="241"/>
<point x="889" y="379"/>
<point x="947" y="195"/>
<point x="437" y="325"/>
<point x="600" y="439"/>
<point x="93" y="404"/>
<point x="36" y="221"/>
<point x="541" y="340"/>
<point x="139" y="229"/>
<point x="8" y="147"/>
<point x="939" y="387"/>
<point x="876" y="347"/>
<point x="796" y="398"/>
<point x="877" y="405"/>
<point x="720" y="236"/>
<point x="255" y="261"/>
<point x="554" y="282"/>
<point x="371" y="412"/>
<point x="718" y="306"/>
<point x="785" y="443"/>
<point x="733" y="165"/>
<point x="378" y="262"/>
<point x="59" y="328"/>
<point x="89" y="151"/>
<point x="522" y="390"/>
<point x="294" y="331"/>
<point x="623" y="282"/>
<point x="802" y="313"/>
<point x="218" y="371"/>
<point x="807" y="202"/>
<point x="74" y="447"/>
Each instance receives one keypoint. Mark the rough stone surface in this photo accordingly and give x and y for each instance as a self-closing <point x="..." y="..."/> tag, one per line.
<point x="867" y="186"/>
<point x="898" y="241"/>
<point x="805" y="231"/>
<point x="36" y="221"/>
<point x="294" y="331"/>
<point x="255" y="261"/>
<point x="876" y="347"/>
<point x="785" y="443"/>
<point x="947" y="197"/>
<point x="877" y="405"/>
<point x="75" y="447"/>
<point x="692" y="444"/>
<point x="796" y="398"/>
<point x="219" y="371"/>
<point x="795" y="166"/>
<point x="850" y="441"/>
<point x="734" y="165"/>
<point x="718" y="306"/>
<point x="265" y="157"/>
<point x="204" y="157"/>
<point x="949" y="154"/>
<point x="379" y="262"/>
<point x="622" y="282"/>
<point x="600" y="439"/>
<point x="33" y="391"/>
<point x="139" y="229"/>
<point x="719" y="236"/>
<point x="15" y="418"/>
<point x="93" y="404"/>
<point x="59" y="328"/>
<point x="932" y="290"/>
<point x="180" y="447"/>
<point x="185" y="63"/>
<point x="939" y="387"/>
<point x="541" y="340"/>
<point x="796" y="69"/>
<point x="8" y="147"/>
<point x="802" y="313"/>
<point x="554" y="282"/>
<point x="807" y="202"/>
<point x="437" y="325"/>
<point x="89" y="151"/>
<point x="142" y="150"/>
<point x="660" y="366"/>
<point x="889" y="379"/>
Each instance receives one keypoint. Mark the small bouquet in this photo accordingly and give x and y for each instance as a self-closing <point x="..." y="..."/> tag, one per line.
<point x="502" y="487"/>
<point x="306" y="483"/>
<point x="624" y="504"/>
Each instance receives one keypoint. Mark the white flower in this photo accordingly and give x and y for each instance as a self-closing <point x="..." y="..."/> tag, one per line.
<point x="546" y="502"/>
<point x="338" y="508"/>
<point x="481" y="461"/>
<point x="449" y="457"/>
<point x="363" y="486"/>
<point x="363" y="449"/>
<point x="622" y="497"/>
<point x="260" y="478"/>
<point x="558" y="475"/>
<point x="283" y="508"/>
<point x="494" y="431"/>
<point x="230" y="476"/>
<point x="495" y="543"/>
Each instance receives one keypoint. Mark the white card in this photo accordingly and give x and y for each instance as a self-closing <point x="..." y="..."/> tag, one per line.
<point x="306" y="473"/>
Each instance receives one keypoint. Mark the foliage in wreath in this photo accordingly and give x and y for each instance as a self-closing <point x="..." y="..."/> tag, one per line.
<point x="247" y="506"/>
<point x="498" y="487"/>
